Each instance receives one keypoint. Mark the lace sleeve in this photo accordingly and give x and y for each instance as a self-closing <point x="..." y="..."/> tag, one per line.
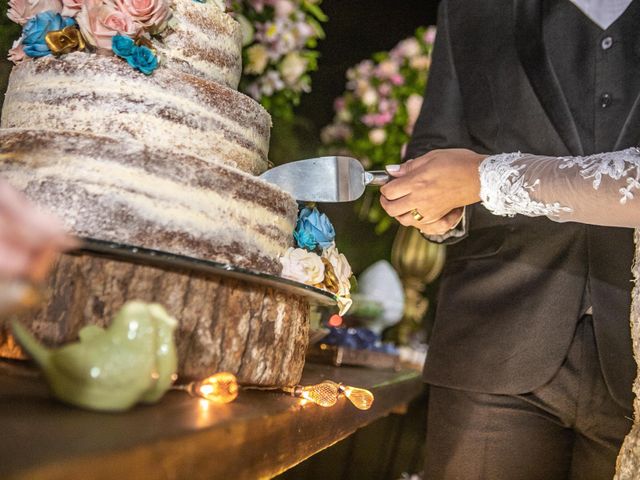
<point x="598" y="189"/>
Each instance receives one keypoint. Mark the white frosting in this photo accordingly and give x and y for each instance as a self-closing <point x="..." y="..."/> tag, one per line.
<point x="203" y="40"/>
<point x="93" y="97"/>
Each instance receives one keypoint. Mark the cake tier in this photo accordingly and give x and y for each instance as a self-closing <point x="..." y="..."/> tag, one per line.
<point x="126" y="192"/>
<point x="169" y="109"/>
<point x="203" y="40"/>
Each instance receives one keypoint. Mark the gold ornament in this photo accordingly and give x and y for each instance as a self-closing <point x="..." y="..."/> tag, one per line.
<point x="63" y="41"/>
<point x="330" y="281"/>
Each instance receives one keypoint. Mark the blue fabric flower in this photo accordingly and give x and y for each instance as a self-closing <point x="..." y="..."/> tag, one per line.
<point x="313" y="229"/>
<point x="144" y="60"/>
<point x="36" y="29"/>
<point x="122" y="46"/>
<point x="139" y="57"/>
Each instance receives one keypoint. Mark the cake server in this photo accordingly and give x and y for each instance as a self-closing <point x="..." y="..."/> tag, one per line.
<point x="325" y="179"/>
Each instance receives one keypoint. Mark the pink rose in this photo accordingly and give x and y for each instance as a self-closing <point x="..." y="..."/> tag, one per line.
<point x="100" y="20"/>
<point x="151" y="14"/>
<point x="70" y="8"/>
<point x="16" y="53"/>
<point x="22" y="10"/>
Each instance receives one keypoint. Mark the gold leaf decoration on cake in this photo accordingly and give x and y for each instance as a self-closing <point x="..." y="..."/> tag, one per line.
<point x="142" y="41"/>
<point x="66" y="40"/>
<point x="330" y="281"/>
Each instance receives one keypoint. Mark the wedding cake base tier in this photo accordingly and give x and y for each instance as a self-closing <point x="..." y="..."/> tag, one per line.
<point x="257" y="332"/>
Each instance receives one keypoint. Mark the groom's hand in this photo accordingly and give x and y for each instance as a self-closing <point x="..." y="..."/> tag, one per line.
<point x="429" y="191"/>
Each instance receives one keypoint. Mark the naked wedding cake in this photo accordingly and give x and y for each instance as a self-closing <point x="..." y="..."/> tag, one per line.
<point x="123" y="117"/>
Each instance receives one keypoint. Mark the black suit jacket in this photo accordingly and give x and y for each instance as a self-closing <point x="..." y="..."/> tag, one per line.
<point x="512" y="290"/>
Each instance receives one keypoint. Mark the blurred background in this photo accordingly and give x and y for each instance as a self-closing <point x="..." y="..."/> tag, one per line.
<point x="354" y="31"/>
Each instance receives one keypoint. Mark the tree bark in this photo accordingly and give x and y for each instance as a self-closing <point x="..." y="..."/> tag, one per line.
<point x="256" y="332"/>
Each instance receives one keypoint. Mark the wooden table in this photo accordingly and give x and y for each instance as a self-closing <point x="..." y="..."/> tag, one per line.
<point x="259" y="435"/>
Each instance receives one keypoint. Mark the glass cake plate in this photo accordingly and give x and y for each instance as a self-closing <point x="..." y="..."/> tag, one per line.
<point x="146" y="256"/>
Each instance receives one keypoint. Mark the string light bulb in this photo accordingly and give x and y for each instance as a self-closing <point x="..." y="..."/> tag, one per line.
<point x="221" y="387"/>
<point x="362" y="399"/>
<point x="324" y="394"/>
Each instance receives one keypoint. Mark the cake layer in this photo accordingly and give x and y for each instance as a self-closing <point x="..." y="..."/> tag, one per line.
<point x="169" y="109"/>
<point x="126" y="192"/>
<point x="203" y="40"/>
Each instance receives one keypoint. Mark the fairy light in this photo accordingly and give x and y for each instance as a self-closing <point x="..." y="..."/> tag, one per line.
<point x="335" y="320"/>
<point x="362" y="399"/>
<point x="218" y="388"/>
<point x="324" y="394"/>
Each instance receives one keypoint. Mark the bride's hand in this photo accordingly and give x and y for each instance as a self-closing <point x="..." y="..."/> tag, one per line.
<point x="427" y="189"/>
<point x="29" y="238"/>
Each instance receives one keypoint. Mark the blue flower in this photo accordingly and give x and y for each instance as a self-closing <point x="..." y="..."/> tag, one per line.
<point x="313" y="229"/>
<point x="139" y="57"/>
<point x="122" y="46"/>
<point x="36" y="29"/>
<point x="144" y="60"/>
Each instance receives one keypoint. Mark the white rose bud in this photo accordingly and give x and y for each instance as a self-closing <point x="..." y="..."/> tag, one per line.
<point x="370" y="97"/>
<point x="293" y="67"/>
<point x="302" y="266"/>
<point x="257" y="59"/>
<point x="377" y="136"/>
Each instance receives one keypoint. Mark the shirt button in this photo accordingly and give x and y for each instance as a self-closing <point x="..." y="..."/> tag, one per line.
<point x="606" y="43"/>
<point x="605" y="100"/>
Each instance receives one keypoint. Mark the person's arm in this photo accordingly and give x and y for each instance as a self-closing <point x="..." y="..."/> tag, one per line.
<point x="599" y="189"/>
<point x="441" y="125"/>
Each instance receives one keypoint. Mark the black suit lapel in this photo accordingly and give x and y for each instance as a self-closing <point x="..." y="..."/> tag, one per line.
<point x="536" y="64"/>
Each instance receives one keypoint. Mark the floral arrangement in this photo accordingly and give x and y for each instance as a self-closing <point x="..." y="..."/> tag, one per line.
<point x="316" y="260"/>
<point x="55" y="27"/>
<point x="375" y="116"/>
<point x="280" y="39"/>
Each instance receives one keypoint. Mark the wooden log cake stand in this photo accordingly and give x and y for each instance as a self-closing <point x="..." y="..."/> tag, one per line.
<point x="255" y="331"/>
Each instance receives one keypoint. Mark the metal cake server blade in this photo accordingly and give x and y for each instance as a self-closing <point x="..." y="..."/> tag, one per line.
<point x="325" y="179"/>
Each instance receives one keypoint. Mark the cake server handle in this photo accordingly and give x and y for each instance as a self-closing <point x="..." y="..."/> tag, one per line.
<point x="376" y="178"/>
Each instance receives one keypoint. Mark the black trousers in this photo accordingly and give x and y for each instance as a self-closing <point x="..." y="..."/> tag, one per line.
<point x="569" y="428"/>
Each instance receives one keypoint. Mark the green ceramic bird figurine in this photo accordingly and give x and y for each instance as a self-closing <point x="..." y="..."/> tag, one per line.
<point x="133" y="360"/>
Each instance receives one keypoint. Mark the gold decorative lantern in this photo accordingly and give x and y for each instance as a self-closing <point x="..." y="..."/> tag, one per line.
<point x="418" y="262"/>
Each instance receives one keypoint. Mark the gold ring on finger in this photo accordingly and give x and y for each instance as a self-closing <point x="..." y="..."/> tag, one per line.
<point x="416" y="215"/>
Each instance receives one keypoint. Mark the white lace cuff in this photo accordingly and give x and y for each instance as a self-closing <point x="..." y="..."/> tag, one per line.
<point x="504" y="189"/>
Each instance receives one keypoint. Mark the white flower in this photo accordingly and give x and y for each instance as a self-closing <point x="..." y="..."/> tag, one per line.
<point x="341" y="268"/>
<point x="344" y="304"/>
<point x="387" y="68"/>
<point x="409" y="47"/>
<point x="421" y="62"/>
<point x="257" y="59"/>
<point x="377" y="136"/>
<point x="293" y="67"/>
<point x="413" y="104"/>
<point x="370" y="97"/>
<point x="302" y="266"/>
<point x="284" y="8"/>
<point x="246" y="28"/>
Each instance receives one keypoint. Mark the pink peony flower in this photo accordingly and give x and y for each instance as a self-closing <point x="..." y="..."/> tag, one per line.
<point x="22" y="10"/>
<point x="100" y="20"/>
<point x="151" y="14"/>
<point x="430" y="35"/>
<point x="70" y="8"/>
<point x="397" y="79"/>
<point x="16" y="53"/>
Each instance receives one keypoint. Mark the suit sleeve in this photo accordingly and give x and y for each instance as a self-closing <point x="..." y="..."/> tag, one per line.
<point x="441" y="121"/>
